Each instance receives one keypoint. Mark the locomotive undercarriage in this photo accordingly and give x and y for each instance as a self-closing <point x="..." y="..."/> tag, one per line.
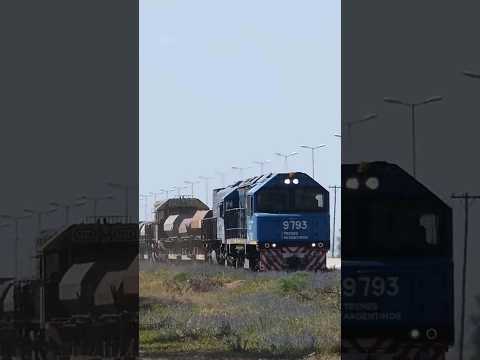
<point x="281" y="258"/>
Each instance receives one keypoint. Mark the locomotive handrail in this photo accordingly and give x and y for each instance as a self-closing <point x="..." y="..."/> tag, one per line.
<point x="235" y="209"/>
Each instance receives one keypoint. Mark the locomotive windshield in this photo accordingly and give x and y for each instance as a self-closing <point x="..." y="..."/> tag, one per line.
<point x="377" y="229"/>
<point x="291" y="200"/>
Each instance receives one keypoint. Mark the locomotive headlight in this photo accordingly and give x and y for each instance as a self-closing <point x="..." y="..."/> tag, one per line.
<point x="431" y="334"/>
<point x="287" y="181"/>
<point x="320" y="245"/>
<point x="415" y="334"/>
<point x="372" y="183"/>
<point x="274" y="245"/>
<point x="267" y="245"/>
<point x="352" y="183"/>
<point x="313" y="244"/>
<point x="295" y="181"/>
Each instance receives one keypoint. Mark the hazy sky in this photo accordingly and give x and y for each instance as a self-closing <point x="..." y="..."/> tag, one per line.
<point x="65" y="130"/>
<point x="405" y="50"/>
<point x="226" y="83"/>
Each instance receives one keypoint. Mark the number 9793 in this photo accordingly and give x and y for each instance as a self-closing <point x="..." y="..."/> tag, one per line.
<point x="370" y="286"/>
<point x="295" y="225"/>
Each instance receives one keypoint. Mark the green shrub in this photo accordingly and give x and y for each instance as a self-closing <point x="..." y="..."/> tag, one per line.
<point x="295" y="283"/>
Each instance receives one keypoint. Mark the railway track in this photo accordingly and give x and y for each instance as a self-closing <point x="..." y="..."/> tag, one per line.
<point x="332" y="263"/>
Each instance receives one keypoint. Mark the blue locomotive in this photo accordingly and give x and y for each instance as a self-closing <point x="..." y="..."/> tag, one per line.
<point x="397" y="266"/>
<point x="269" y="222"/>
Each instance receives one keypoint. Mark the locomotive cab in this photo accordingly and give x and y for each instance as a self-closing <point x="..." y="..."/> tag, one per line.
<point x="288" y="219"/>
<point x="397" y="268"/>
<point x="288" y="210"/>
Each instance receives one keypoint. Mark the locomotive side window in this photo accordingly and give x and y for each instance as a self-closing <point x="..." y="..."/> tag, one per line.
<point x="430" y="223"/>
<point x="249" y="205"/>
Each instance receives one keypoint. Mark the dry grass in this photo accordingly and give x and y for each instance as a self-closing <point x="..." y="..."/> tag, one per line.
<point x="215" y="311"/>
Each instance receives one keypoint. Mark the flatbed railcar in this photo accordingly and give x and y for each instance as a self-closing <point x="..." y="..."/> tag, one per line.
<point x="397" y="266"/>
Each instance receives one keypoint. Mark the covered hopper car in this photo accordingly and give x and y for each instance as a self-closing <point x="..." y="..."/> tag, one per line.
<point x="84" y="299"/>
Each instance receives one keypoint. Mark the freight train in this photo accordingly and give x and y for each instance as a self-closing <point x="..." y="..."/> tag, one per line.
<point x="397" y="266"/>
<point x="270" y="222"/>
<point x="83" y="299"/>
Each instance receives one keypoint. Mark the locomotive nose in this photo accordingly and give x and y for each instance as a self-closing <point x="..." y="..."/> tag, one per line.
<point x="294" y="263"/>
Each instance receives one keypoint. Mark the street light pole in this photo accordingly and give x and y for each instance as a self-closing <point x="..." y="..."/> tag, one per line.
<point x="192" y="184"/>
<point x="262" y="164"/>
<point x="222" y="177"/>
<point x="124" y="188"/>
<point x="15" y="220"/>
<point x="179" y="189"/>
<point x="313" y="148"/>
<point x="145" y="198"/>
<point x="95" y="200"/>
<point x="285" y="158"/>
<point x="355" y="122"/>
<point x="163" y="191"/>
<point x="412" y="107"/>
<point x="169" y="191"/>
<point x="240" y="170"/>
<point x="39" y="214"/>
<point x="205" y="178"/>
<point x="67" y="208"/>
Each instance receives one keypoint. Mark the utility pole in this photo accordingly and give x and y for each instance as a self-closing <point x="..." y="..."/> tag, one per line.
<point x="334" y="215"/>
<point x="467" y="199"/>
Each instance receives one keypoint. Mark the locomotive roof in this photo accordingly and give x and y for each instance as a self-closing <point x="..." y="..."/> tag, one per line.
<point x="255" y="183"/>
<point x="182" y="202"/>
<point x="393" y="180"/>
<point x="278" y="178"/>
<point x="91" y="233"/>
